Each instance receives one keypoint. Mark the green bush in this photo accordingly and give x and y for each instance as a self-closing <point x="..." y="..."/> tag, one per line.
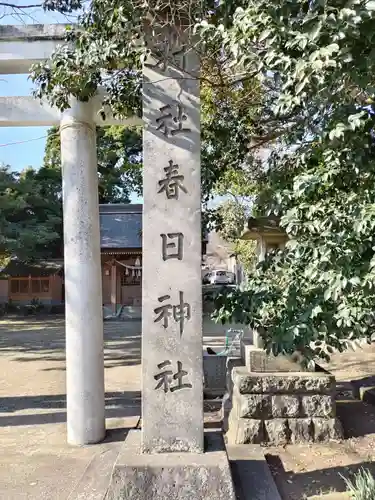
<point x="362" y="485"/>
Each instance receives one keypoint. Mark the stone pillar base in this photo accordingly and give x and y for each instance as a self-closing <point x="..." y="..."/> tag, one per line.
<point x="281" y="408"/>
<point x="168" y="476"/>
<point x="257" y="360"/>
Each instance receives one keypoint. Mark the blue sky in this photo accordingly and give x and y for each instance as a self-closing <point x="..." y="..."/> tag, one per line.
<point x="21" y="147"/>
<point x="19" y="156"/>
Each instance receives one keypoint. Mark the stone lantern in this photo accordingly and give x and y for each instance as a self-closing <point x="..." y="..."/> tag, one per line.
<point x="268" y="234"/>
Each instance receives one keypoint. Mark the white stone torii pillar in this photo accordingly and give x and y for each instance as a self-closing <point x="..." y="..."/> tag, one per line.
<point x="22" y="46"/>
<point x="83" y="287"/>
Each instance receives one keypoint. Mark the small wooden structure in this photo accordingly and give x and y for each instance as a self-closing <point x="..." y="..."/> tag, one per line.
<point x="21" y="283"/>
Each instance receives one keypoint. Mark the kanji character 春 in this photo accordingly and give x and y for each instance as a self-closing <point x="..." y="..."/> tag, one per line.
<point x="173" y="182"/>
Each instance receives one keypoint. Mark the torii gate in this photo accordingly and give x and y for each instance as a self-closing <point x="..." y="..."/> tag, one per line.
<point x="20" y="47"/>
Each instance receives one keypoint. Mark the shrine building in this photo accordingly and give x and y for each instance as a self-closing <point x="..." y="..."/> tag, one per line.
<point x="121" y="264"/>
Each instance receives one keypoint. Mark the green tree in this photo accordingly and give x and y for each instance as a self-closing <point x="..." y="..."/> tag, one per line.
<point x="113" y="61"/>
<point x="119" y="154"/>
<point x="31" y="220"/>
<point x="232" y="216"/>
<point x="313" y="62"/>
<point x="27" y="219"/>
<point x="105" y="51"/>
<point x="228" y="115"/>
<point x="317" y="295"/>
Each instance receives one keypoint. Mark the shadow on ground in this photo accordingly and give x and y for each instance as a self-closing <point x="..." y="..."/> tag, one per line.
<point x="356" y="416"/>
<point x="116" y="435"/>
<point x="118" y="404"/>
<point x="315" y="483"/>
<point x="35" y="339"/>
<point x="45" y="341"/>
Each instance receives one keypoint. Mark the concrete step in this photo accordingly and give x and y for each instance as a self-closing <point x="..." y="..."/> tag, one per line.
<point x="94" y="482"/>
<point x="331" y="496"/>
<point x="364" y="389"/>
<point x="251" y="474"/>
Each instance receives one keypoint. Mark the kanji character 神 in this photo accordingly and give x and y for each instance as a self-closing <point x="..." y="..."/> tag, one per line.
<point x="179" y="312"/>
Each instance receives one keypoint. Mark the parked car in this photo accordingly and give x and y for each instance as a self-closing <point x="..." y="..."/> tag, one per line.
<point x="219" y="277"/>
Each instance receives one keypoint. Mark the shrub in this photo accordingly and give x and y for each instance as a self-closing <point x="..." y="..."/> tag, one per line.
<point x="362" y="486"/>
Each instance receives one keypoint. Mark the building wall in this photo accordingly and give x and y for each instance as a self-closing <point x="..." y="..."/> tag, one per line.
<point x="4" y="291"/>
<point x="131" y="295"/>
<point x="56" y="286"/>
<point x="126" y="293"/>
<point x="27" y="297"/>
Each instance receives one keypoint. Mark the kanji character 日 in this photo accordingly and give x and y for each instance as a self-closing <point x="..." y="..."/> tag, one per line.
<point x="172" y="246"/>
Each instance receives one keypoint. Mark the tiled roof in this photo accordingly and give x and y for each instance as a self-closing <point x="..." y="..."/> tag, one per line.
<point x="17" y="268"/>
<point x="265" y="224"/>
<point x="120" y="226"/>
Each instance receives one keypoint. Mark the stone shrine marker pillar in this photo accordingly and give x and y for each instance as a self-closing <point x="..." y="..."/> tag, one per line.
<point x="172" y="370"/>
<point x="170" y="458"/>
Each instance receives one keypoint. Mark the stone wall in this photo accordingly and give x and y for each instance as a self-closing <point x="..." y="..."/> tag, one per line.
<point x="282" y="408"/>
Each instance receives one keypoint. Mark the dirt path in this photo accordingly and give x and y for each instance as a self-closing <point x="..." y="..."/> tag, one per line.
<point x="35" y="461"/>
<point x="314" y="471"/>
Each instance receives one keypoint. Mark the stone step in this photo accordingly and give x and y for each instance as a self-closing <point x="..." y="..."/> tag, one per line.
<point x="251" y="474"/>
<point x="364" y="389"/>
<point x="94" y="482"/>
<point x="332" y="496"/>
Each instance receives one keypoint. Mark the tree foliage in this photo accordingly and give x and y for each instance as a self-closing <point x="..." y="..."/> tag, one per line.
<point x="31" y="220"/>
<point x="106" y="51"/>
<point x="305" y="71"/>
<point x="232" y="217"/>
<point x="28" y="220"/>
<point x="119" y="155"/>
<point x="107" y="48"/>
<point x="317" y="295"/>
<point x="228" y="116"/>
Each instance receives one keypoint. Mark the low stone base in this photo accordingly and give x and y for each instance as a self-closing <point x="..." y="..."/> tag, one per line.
<point x="282" y="431"/>
<point x="168" y="476"/>
<point x="258" y="361"/>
